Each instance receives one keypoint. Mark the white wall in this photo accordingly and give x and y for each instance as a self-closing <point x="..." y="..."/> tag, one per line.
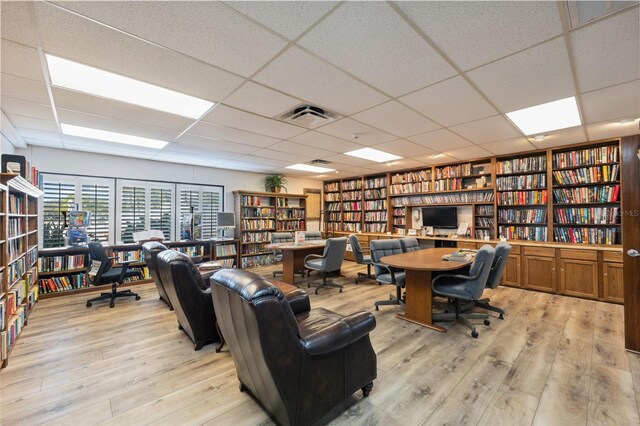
<point x="6" y="147"/>
<point x="82" y="163"/>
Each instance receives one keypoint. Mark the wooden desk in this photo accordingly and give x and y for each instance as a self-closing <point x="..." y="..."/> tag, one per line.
<point x="419" y="265"/>
<point x="293" y="256"/>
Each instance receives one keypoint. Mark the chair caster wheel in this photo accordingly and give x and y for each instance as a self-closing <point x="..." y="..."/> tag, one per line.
<point x="474" y="334"/>
<point x="501" y="317"/>
<point x="487" y="322"/>
<point x="89" y="304"/>
<point x="377" y="308"/>
<point x="340" y="291"/>
<point x="112" y="304"/>
<point x="242" y="387"/>
<point x="316" y="291"/>
<point x="137" y="297"/>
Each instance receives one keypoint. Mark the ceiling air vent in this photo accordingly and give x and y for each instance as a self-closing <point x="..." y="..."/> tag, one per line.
<point x="308" y="116"/>
<point x="319" y="162"/>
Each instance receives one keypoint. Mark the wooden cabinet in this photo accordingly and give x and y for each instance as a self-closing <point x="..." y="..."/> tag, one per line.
<point x="539" y="271"/>
<point x="466" y="245"/>
<point x="579" y="273"/>
<point x="612" y="282"/>
<point x="513" y="271"/>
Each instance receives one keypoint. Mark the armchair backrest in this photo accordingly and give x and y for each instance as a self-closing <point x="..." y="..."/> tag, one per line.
<point x="312" y="235"/>
<point x="263" y="337"/>
<point x="98" y="253"/>
<point x="356" y="248"/>
<point x="334" y="253"/>
<point x="500" y="259"/>
<point x="281" y="237"/>
<point x="409" y="244"/>
<point x="150" y="253"/>
<point x="382" y="248"/>
<point x="480" y="269"/>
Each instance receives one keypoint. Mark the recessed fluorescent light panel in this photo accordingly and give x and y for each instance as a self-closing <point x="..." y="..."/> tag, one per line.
<point x="103" y="135"/>
<point x="83" y="78"/>
<point x="373" y="155"/>
<point x="547" y="117"/>
<point x="308" y="168"/>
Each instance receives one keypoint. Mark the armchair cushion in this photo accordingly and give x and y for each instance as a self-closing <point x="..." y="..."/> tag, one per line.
<point x="386" y="278"/>
<point x="314" y="264"/>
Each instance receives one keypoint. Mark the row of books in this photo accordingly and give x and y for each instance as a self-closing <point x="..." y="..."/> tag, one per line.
<point x="255" y="237"/>
<point x="398" y="221"/>
<point x="454" y="171"/>
<point x="353" y="205"/>
<point x="14" y="327"/>
<point x="191" y="251"/>
<point x="351" y="195"/>
<point x="332" y="226"/>
<point x="352" y="227"/>
<point x="409" y="188"/>
<point x="597" y="194"/>
<point x="16" y="269"/>
<point x="291" y="225"/>
<point x="252" y="200"/>
<point x="284" y="202"/>
<point x="373" y="183"/>
<point x="32" y="256"/>
<point x="372" y="194"/>
<point x="14" y="227"/>
<point x="509" y="183"/>
<point x="128" y="256"/>
<point x="352" y="216"/>
<point x="332" y="216"/>
<point x="398" y="211"/>
<point x="375" y="205"/>
<point x="258" y="224"/>
<point x="332" y="207"/>
<point x="586" y="157"/>
<point x="482" y="234"/>
<point x="227" y="263"/>
<point x="587" y="216"/>
<point x="587" y="235"/>
<point x="332" y="187"/>
<point x="62" y="283"/>
<point x="522" y="165"/>
<point x="410" y="177"/>
<point x="258" y="212"/>
<point x="251" y="261"/>
<point x="16" y="204"/>
<point x="599" y="174"/>
<point x="462" y="197"/>
<point x="255" y="248"/>
<point x="16" y="248"/>
<point x="332" y="196"/>
<point x="484" y="210"/>
<point x="375" y="227"/>
<point x="522" y="215"/>
<point x="144" y="271"/>
<point x="15" y="296"/>
<point x="521" y="198"/>
<point x="61" y="263"/>
<point x="351" y="184"/>
<point x="380" y="216"/>
<point x="484" y="222"/>
<point x="529" y="233"/>
<point x="291" y="214"/>
<point x="448" y="184"/>
<point x="225" y="250"/>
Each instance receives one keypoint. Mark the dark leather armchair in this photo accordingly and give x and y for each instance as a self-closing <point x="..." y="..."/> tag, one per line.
<point x="190" y="297"/>
<point x="150" y="252"/>
<point x="299" y="363"/>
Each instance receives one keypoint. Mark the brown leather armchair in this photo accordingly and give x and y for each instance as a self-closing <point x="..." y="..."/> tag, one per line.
<point x="190" y="297"/>
<point x="150" y="252"/>
<point x="299" y="363"/>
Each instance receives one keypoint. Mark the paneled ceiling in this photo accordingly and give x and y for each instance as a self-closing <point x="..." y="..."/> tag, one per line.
<point x="428" y="81"/>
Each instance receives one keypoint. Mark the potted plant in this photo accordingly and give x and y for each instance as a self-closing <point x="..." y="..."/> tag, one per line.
<point x="274" y="183"/>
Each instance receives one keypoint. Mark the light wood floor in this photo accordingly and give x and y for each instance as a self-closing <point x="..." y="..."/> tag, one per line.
<point x="553" y="361"/>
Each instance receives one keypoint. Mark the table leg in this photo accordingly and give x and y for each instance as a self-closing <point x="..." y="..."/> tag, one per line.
<point x="418" y="309"/>
<point x="288" y="266"/>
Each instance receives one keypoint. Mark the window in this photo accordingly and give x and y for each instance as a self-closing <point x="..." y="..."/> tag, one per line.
<point x="97" y="200"/>
<point x="143" y="206"/>
<point x="59" y="198"/>
<point x="133" y="205"/>
<point x="202" y="199"/>
<point x="161" y="210"/>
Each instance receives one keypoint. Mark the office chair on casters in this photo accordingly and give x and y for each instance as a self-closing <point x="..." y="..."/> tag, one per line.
<point x="361" y="257"/>
<point x="330" y="261"/>
<point x="386" y="274"/>
<point x="409" y="244"/>
<point x="106" y="273"/>
<point x="465" y="288"/>
<point x="312" y="235"/>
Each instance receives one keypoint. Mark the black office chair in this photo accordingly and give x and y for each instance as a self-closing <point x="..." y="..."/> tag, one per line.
<point x="409" y="244"/>
<point x="312" y="235"/>
<point x="386" y="274"/>
<point x="106" y="273"/>
<point x="360" y="257"/>
<point x="330" y="261"/>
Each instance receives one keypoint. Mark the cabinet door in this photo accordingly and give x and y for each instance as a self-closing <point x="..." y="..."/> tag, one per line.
<point x="613" y="282"/>
<point x="539" y="273"/>
<point x="512" y="274"/>
<point x="579" y="278"/>
<point x="466" y="245"/>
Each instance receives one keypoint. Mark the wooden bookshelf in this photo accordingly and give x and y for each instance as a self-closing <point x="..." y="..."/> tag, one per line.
<point x="408" y="183"/>
<point x="258" y="214"/>
<point x="375" y="202"/>
<point x="352" y="202"/>
<point x="19" y="255"/>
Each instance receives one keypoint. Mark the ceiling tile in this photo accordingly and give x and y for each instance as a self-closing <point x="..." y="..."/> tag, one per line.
<point x="231" y="117"/>
<point x="450" y="102"/>
<point x="371" y="41"/>
<point x="562" y="137"/>
<point x="349" y="161"/>
<point x="621" y="101"/>
<point x="299" y="74"/>
<point x="320" y="140"/>
<point x="439" y="140"/>
<point x="468" y="153"/>
<point x="25" y="89"/>
<point x="289" y="18"/>
<point x="208" y="144"/>
<point x="39" y="135"/>
<point x="288" y="157"/>
<point x="32" y="123"/>
<point x="261" y="100"/>
<point x="21" y="60"/>
<point x="202" y="150"/>
<point x="607" y="129"/>
<point x="490" y="129"/>
<point x="437" y="159"/>
<point x="606" y="52"/>
<point x="27" y="109"/>
<point x="304" y="150"/>
<point x="81" y="102"/>
<point x="264" y="160"/>
<point x="78" y="39"/>
<point x="405" y="163"/>
<point x="345" y="128"/>
<point x="396" y="119"/>
<point x="226" y="33"/>
<point x="103" y="147"/>
<point x="215" y="131"/>
<point x="16" y="24"/>
<point x="187" y="158"/>
<point x="403" y="148"/>
<point x="509" y="146"/>
<point x="532" y="77"/>
<point x="484" y="31"/>
<point x="118" y="126"/>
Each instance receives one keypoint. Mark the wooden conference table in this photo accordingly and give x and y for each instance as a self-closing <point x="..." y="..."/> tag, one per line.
<point x="419" y="265"/>
<point x="293" y="256"/>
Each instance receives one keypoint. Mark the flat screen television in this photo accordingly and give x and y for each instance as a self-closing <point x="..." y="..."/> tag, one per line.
<point x="226" y="219"/>
<point x="440" y="217"/>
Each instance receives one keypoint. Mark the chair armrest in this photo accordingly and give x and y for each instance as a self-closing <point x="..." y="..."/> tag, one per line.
<point x="339" y="334"/>
<point x="312" y="256"/>
<point x="298" y="301"/>
<point x="382" y="265"/>
<point x="458" y="277"/>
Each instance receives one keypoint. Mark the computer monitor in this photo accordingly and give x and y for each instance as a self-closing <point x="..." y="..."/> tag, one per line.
<point x="226" y="220"/>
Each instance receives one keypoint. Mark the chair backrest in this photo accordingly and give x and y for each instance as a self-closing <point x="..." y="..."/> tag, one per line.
<point x="150" y="252"/>
<point x="263" y="337"/>
<point x="281" y="237"/>
<point x="334" y="253"/>
<point x="480" y="269"/>
<point x="98" y="253"/>
<point x="356" y="248"/>
<point x="499" y="264"/>
<point x="409" y="244"/>
<point x="312" y="235"/>
<point x="381" y="248"/>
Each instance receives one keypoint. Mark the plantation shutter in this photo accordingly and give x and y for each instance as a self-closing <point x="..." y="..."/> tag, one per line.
<point x="161" y="210"/>
<point x="96" y="199"/>
<point x="132" y="211"/>
<point x="211" y="205"/>
<point x="59" y="198"/>
<point x="189" y="202"/>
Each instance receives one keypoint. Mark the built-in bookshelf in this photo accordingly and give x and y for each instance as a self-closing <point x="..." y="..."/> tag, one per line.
<point x="522" y="197"/>
<point x="586" y="194"/>
<point x="261" y="213"/>
<point x="405" y="184"/>
<point x="375" y="204"/>
<point x="464" y="176"/>
<point x="19" y="255"/>
<point x="62" y="270"/>
<point x="332" y="206"/>
<point x="484" y="221"/>
<point x="351" y="197"/>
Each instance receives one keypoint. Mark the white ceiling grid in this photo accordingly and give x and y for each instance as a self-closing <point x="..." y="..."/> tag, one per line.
<point x="428" y="81"/>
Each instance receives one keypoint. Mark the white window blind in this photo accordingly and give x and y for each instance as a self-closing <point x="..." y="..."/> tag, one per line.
<point x="96" y="199"/>
<point x="201" y="199"/>
<point x="144" y="206"/>
<point x="133" y="208"/>
<point x="161" y="210"/>
<point x="59" y="198"/>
